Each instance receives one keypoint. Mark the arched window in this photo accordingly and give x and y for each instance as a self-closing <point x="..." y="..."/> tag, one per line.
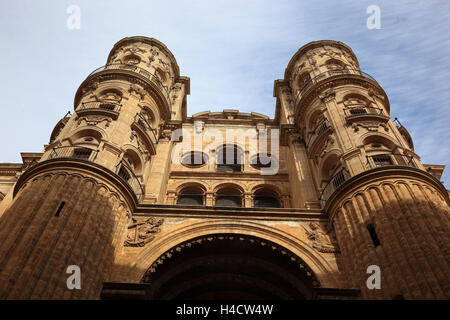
<point x="229" y="158"/>
<point x="266" y="198"/>
<point x="191" y="196"/>
<point x="229" y="197"/>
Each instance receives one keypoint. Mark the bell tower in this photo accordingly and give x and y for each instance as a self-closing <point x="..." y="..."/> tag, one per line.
<point x="385" y="208"/>
<point x="71" y="207"/>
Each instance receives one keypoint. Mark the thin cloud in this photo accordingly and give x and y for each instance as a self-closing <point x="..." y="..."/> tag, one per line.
<point x="231" y="50"/>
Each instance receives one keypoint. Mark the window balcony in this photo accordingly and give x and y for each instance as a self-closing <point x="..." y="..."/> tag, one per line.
<point x="319" y="132"/>
<point x="364" y="113"/>
<point x="124" y="171"/>
<point x="141" y="125"/>
<point x="144" y="73"/>
<point x="73" y="152"/>
<point x="309" y="82"/>
<point x="390" y="159"/>
<point x="105" y="107"/>
<point x="338" y="179"/>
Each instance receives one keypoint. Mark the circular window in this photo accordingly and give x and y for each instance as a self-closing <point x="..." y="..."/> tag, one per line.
<point x="194" y="159"/>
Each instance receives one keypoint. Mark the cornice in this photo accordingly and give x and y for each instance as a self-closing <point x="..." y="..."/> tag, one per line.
<point x="378" y="175"/>
<point x="228" y="175"/>
<point x="82" y="166"/>
<point x="133" y="78"/>
<point x="331" y="83"/>
<point x="285" y="214"/>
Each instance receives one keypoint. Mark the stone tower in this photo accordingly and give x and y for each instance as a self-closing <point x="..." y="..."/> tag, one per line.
<point x="386" y="208"/>
<point x="71" y="207"/>
<point x="105" y="195"/>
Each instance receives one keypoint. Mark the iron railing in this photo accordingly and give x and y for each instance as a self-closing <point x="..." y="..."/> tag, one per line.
<point x="73" y="152"/>
<point x="130" y="67"/>
<point x="324" y="75"/>
<point x="397" y="123"/>
<point x="107" y="105"/>
<point x="320" y="128"/>
<point x="337" y="180"/>
<point x="127" y="174"/>
<point x="390" y="159"/>
<point x="143" y="124"/>
<point x="362" y="110"/>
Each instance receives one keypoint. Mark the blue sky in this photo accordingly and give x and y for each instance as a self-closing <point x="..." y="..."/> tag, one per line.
<point x="231" y="50"/>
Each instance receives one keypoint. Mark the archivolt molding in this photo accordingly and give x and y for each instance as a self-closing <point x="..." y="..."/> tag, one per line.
<point x="235" y="184"/>
<point x="371" y="133"/>
<point x="322" y="269"/>
<point x="102" y="132"/>
<point x="191" y="183"/>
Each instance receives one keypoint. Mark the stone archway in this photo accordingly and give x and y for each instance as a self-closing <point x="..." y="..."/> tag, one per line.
<point x="229" y="266"/>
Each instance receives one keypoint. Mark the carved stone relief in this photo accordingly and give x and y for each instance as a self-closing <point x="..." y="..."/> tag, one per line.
<point x="134" y="88"/>
<point x="142" y="232"/>
<point x="371" y="126"/>
<point x="321" y="240"/>
<point x="94" y="120"/>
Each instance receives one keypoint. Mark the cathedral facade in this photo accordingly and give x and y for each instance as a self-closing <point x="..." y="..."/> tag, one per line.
<point x="328" y="200"/>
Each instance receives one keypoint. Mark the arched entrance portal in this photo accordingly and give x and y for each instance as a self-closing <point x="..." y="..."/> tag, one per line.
<point x="229" y="266"/>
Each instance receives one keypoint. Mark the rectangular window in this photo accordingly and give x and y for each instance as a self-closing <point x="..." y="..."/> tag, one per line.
<point x="61" y="206"/>
<point x="373" y="235"/>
